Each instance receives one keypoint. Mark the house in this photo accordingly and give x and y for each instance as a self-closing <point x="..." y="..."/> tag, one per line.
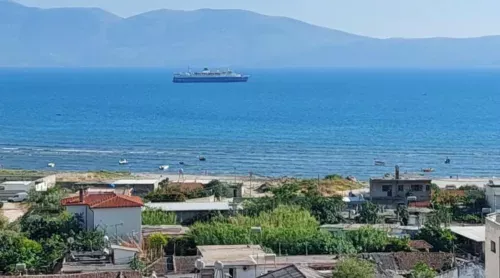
<point x="250" y="261"/>
<point x="118" y="215"/>
<point x="473" y="238"/>
<point x="492" y="194"/>
<point x="99" y="260"/>
<point x="492" y="245"/>
<point x="239" y="261"/>
<point x="294" y="271"/>
<point x="399" y="189"/>
<point x="10" y="186"/>
<point x="187" y="211"/>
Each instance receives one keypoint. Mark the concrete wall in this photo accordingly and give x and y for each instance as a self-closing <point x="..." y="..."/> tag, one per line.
<point x="492" y="259"/>
<point x="50" y="181"/>
<point x="492" y="197"/>
<point x="469" y="270"/>
<point x="121" y="256"/>
<point x="86" y="213"/>
<point x="107" y="218"/>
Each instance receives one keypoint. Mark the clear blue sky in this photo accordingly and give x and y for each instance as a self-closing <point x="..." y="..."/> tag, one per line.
<point x="376" y="18"/>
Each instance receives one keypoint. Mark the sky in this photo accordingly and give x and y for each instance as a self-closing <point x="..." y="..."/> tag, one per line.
<point x="375" y="18"/>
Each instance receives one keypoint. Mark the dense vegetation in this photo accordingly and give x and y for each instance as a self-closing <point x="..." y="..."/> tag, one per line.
<point x="354" y="268"/>
<point x="421" y="270"/>
<point x="158" y="217"/>
<point x="294" y="231"/>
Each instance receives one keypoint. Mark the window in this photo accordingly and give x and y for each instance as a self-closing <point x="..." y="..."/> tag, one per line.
<point x="416" y="187"/>
<point x="493" y="246"/>
<point x="427" y="187"/>
<point x="401" y="187"/>
<point x="386" y="188"/>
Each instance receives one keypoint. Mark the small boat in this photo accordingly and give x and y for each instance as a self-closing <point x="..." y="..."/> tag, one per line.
<point x="447" y="161"/>
<point x="181" y="163"/>
<point x="379" y="163"/>
<point x="122" y="162"/>
<point x="51" y="165"/>
<point x="163" y="167"/>
<point x="202" y="158"/>
<point x="428" y="170"/>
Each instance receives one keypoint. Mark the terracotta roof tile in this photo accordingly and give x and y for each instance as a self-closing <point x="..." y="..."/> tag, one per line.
<point x="420" y="244"/>
<point x="104" y="200"/>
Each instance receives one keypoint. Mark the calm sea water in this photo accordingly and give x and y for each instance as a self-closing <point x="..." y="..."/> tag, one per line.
<point x="282" y="122"/>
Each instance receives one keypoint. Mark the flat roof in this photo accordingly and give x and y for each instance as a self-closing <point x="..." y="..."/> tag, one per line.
<point x="231" y="254"/>
<point x="183" y="206"/>
<point x="16" y="183"/>
<point x="475" y="233"/>
<point x="144" y="181"/>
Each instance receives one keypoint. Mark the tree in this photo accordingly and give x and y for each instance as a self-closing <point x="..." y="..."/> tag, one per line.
<point x="286" y="193"/>
<point x="369" y="213"/>
<point x="421" y="270"/>
<point x="217" y="188"/>
<point x="89" y="241"/>
<point x="43" y="226"/>
<point x="157" y="243"/>
<point x="16" y="248"/>
<point x="368" y="239"/>
<point x="326" y="210"/>
<point x="403" y="215"/>
<point x="441" y="239"/>
<point x="354" y="268"/>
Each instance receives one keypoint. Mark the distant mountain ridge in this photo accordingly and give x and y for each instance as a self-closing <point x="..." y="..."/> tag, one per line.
<point x="92" y="37"/>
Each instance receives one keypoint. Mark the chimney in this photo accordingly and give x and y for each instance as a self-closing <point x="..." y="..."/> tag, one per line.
<point x="397" y="172"/>
<point x="81" y="195"/>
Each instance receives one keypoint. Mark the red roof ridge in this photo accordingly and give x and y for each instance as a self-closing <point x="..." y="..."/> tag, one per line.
<point x="104" y="200"/>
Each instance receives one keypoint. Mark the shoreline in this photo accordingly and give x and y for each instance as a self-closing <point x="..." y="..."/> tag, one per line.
<point x="104" y="175"/>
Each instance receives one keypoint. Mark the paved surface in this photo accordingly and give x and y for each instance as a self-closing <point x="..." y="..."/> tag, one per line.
<point x="13" y="211"/>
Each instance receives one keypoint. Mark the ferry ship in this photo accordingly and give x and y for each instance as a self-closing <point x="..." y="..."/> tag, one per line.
<point x="207" y="75"/>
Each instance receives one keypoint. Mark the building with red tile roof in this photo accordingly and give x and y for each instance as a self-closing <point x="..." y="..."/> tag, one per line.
<point x="116" y="214"/>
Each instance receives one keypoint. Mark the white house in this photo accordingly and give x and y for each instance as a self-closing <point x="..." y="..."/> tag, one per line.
<point x="239" y="261"/>
<point x="492" y="245"/>
<point x="118" y="215"/>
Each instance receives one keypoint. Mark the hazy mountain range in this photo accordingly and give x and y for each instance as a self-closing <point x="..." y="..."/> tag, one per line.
<point x="93" y="37"/>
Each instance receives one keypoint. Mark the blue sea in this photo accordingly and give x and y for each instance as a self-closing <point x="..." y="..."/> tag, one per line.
<point x="291" y="122"/>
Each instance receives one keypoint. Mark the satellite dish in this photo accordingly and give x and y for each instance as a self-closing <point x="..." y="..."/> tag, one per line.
<point x="71" y="240"/>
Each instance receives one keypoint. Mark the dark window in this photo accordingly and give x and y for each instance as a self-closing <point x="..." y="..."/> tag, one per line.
<point x="400" y="187"/>
<point x="427" y="187"/>
<point x="416" y="187"/>
<point x="386" y="188"/>
<point x="493" y="247"/>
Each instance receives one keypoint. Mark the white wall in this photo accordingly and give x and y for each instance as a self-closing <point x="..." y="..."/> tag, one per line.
<point x="492" y="259"/>
<point x="87" y="215"/>
<point x="493" y="197"/>
<point x="107" y="218"/>
<point x="121" y="256"/>
<point x="469" y="270"/>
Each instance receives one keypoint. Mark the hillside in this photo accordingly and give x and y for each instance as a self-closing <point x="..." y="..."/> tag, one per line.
<point x="167" y="38"/>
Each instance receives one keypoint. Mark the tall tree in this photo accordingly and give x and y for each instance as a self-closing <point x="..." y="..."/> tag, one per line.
<point x="369" y="213"/>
